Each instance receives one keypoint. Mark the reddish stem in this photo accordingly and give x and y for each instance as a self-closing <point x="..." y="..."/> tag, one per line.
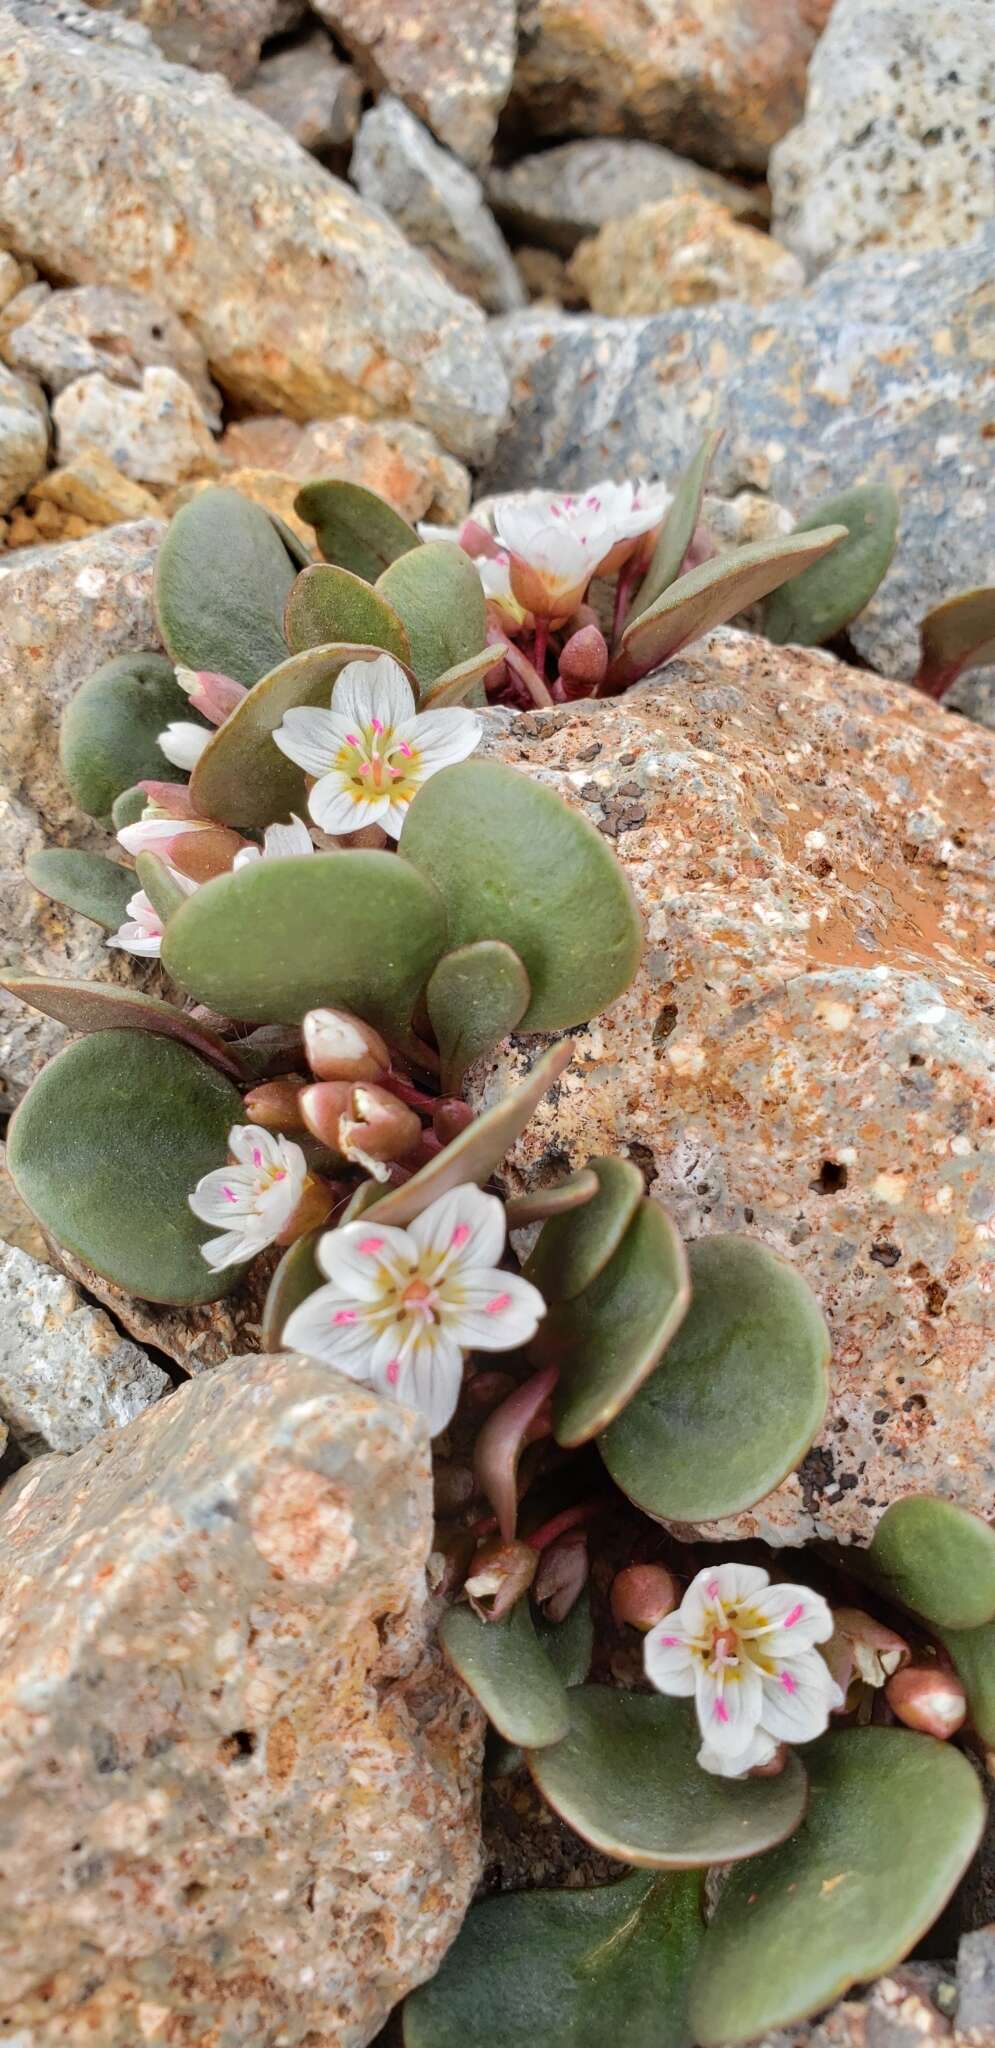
<point x="568" y="1518"/>
<point x="539" y="647"/>
<point x="623" y="591"/>
<point x="521" y="667"/>
<point x="407" y="1092"/>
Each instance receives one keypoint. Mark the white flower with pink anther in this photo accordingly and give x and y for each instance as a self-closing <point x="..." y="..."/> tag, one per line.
<point x="141" y="932"/>
<point x="254" y="1197"/>
<point x="555" y="545"/>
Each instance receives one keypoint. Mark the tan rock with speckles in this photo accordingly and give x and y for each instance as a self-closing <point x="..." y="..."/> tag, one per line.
<point x="247" y="1812"/>
<point x="452" y="65"/>
<point x="686" y="251"/>
<point x="402" y="462"/>
<point x="806" y="1054"/>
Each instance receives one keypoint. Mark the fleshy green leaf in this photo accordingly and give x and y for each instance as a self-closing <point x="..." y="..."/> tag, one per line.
<point x="739" y="1396"/>
<point x="222" y="579"/>
<point x="128" y="807"/>
<point x="504" y="1664"/>
<point x="710" y="594"/>
<point x="475" y="1153"/>
<point x="463" y="684"/>
<point x="560" y="1199"/>
<point x="278" y="938"/>
<point x="567" y="1969"/>
<point x="356" y="530"/>
<point x="328" y="604"/>
<point x="569" y="1644"/>
<point x="972" y="1653"/>
<point x="814" y="606"/>
<point x="297" y="1276"/>
<point x="937" y="1559"/>
<point x="88" y="883"/>
<point x="109" y="739"/>
<point x="106" y="1147"/>
<point x="513" y="862"/>
<point x="626" y="1779"/>
<point x="88" y="1006"/>
<point x="157" y="879"/>
<point x="242" y="778"/>
<point x="607" y="1340"/>
<point x="893" y="1821"/>
<point x="476" y="997"/>
<point x="677" y="531"/>
<point x="271" y="1049"/>
<point x="438" y="594"/>
<point x="300" y="554"/>
<point x="957" y="635"/>
<point x="571" y="1251"/>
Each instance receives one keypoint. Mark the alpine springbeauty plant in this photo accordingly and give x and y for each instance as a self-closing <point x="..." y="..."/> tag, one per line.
<point x="336" y="889"/>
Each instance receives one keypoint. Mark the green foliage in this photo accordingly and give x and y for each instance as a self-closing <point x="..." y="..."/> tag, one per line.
<point x="328" y="604"/>
<point x="473" y="1155"/>
<point x="476" y="996"/>
<point x="954" y="636"/>
<point x="816" y="605"/>
<point x="109" y="739"/>
<point x="88" y="883"/>
<point x="505" y="1665"/>
<point x="222" y="579"/>
<point x="129" y="806"/>
<point x="677" y="531"/>
<point x="571" y="1251"/>
<point x="356" y="530"/>
<point x="156" y="877"/>
<point x="972" y="1653"/>
<point x="437" y="593"/>
<point x="297" y="1276"/>
<point x="463" y="684"/>
<point x="709" y="595"/>
<point x="87" y="1006"/>
<point x="242" y="778"/>
<point x="936" y="1559"/>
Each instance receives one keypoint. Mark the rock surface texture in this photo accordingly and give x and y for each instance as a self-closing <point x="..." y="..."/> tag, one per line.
<point x="896" y="143"/>
<point x="437" y="201"/>
<point x="404" y="463"/>
<point x="102" y="327"/>
<point x="308" y="91"/>
<point x="23" y="436"/>
<point x="559" y="195"/>
<point x="65" y="1371"/>
<point x="246" y="1812"/>
<point x="686" y="251"/>
<point x="807" y="1054"/>
<point x="194" y="197"/>
<point x="212" y="35"/>
<point x="452" y="65"/>
<point x="156" y="435"/>
<point x="879" y="373"/>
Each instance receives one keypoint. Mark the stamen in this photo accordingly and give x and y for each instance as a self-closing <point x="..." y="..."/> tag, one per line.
<point x="375" y="726"/>
<point x="668" y="1642"/>
<point x="257" y="1157"/>
<point x="459" y="1236"/>
<point x="351" y="740"/>
<point x="795" y="1615"/>
<point x="406" y="750"/>
<point x="394" y="1372"/>
<point x="712" y="1589"/>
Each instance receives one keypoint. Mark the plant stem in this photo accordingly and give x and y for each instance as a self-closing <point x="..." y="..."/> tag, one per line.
<point x="521" y="667"/>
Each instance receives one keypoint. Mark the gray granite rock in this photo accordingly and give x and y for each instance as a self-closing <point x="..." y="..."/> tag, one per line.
<point x="194" y="197"/>
<point x="156" y="435"/>
<point x="306" y="89"/>
<point x="65" y="1372"/>
<point x="248" y="1812"/>
<point x="880" y="372"/>
<point x="212" y="35"/>
<point x="896" y="144"/>
<point x="107" y="328"/>
<point x="451" y="64"/>
<point x="559" y="196"/>
<point x="23" y="436"/>
<point x="437" y="201"/>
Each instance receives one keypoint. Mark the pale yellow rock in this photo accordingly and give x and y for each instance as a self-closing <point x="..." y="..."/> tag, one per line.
<point x="95" y="490"/>
<point x="399" y="460"/>
<point x="269" y="487"/>
<point x="155" y="435"/>
<point x="11" y="277"/>
<point x="686" y="251"/>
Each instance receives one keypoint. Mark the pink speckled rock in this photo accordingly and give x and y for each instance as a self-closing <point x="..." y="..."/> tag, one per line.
<point x="808" y="1051"/>
<point x="238" y="1784"/>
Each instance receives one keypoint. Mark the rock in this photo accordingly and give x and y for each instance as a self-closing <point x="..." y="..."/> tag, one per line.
<point x="11" y="278"/>
<point x="224" y="1609"/>
<point x="91" y="488"/>
<point x="307" y="90"/>
<point x="807" y="1052"/>
<point x="877" y="374"/>
<point x="452" y="66"/>
<point x="23" y="436"/>
<point x="907" y="2009"/>
<point x="558" y="196"/>
<point x="720" y="80"/>
<point x="212" y="35"/>
<point x="895" y="146"/>
<point x="547" y="277"/>
<point x="404" y="463"/>
<point x="199" y="199"/>
<point x="157" y="435"/>
<point x="65" y="1371"/>
<point x="976" y="1989"/>
<point x="199" y="1338"/>
<point x="438" y="202"/>
<point x="102" y="327"/>
<point x="17" y="1225"/>
<point x="686" y="251"/>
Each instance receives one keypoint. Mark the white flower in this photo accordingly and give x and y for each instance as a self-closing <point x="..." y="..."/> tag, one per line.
<point x="183" y="742"/>
<point x="153" y="827"/>
<point x="746" y="1652"/>
<point x="141" y="932"/>
<point x="371" y="752"/>
<point x="256" y="1196"/>
<point x="556" y="545"/>
<point x="280" y="842"/>
<point x="402" y="1306"/>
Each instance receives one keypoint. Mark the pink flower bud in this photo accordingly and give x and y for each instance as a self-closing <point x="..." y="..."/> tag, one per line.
<point x="584" y="659"/>
<point x="500" y="1574"/>
<point x="929" y="1698"/>
<point x="562" y="1574"/>
<point x="215" y="696"/>
<point x="323" y="1106"/>
<point x="449" y="1118"/>
<point x="475" y="540"/>
<point x="340" y="1047"/>
<point x="642" y="1594"/>
<point x="171" y="799"/>
<point x="861" y="1647"/>
<point x="379" y="1128"/>
<point x="203" y="854"/>
<point x="276" y="1104"/>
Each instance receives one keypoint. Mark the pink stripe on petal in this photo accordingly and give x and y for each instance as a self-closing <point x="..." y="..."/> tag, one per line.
<point x="371" y="1246"/>
<point x="795" y="1615"/>
<point x="498" y="1305"/>
<point x="790" y="1684"/>
<point x="721" y="1711"/>
<point x="459" y="1236"/>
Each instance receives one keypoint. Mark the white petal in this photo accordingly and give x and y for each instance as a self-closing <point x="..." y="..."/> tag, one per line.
<point x="426" y="531"/>
<point x="429" y="1378"/>
<point x="726" y="1583"/>
<point x="183" y="742"/>
<point x="362" y="1258"/>
<point x="281" y="842"/>
<point x="245" y="857"/>
<point x="223" y="1195"/>
<point x="798" y="1699"/>
<point x="669" y="1662"/>
<point x="392" y="820"/>
<point x="801" y="1617"/>
<point x="728" y="1714"/>
<point x="233" y="1249"/>
<point x="366" y="690"/>
<point x="465" y="1222"/>
<point x="335" y="807"/>
<point x="443" y="736"/>
<point x="310" y="737"/>
<point x="759" y="1751"/>
<point x="132" y="937"/>
<point x="498" y="1312"/>
<point x="314" y="1329"/>
<point x="252" y="1146"/>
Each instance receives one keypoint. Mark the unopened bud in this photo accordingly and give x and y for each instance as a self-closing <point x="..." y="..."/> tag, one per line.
<point x="215" y="696"/>
<point x="204" y="854"/>
<point x="928" y="1698"/>
<point x="361" y="1122"/>
<point x="169" y="799"/>
<point x="314" y="1208"/>
<point x="450" y="1117"/>
<point x="475" y="539"/>
<point x="876" y="1652"/>
<point x="501" y="1573"/>
<point x="323" y="1105"/>
<point x="584" y="659"/>
<point x="276" y="1104"/>
<point x="449" y="1560"/>
<point x="340" y="1047"/>
<point x="642" y="1594"/>
<point x="562" y="1574"/>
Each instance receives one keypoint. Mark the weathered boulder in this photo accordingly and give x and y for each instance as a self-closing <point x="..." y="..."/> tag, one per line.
<point x="102" y="327"/>
<point x="807" y="1053"/>
<point x="895" y="146"/>
<point x="23" y="436"/>
<point x="306" y="89"/>
<point x="453" y="65"/>
<point x="156" y="435"/>
<point x="90" y="487"/>
<point x="212" y="35"/>
<point x="686" y="251"/>
<point x="717" y="79"/>
<point x="401" y="461"/>
<point x="65" y="1372"/>
<point x="879" y="373"/>
<point x="437" y="201"/>
<point x="193" y="196"/>
<point x="559" y="195"/>
<point x="248" y="1810"/>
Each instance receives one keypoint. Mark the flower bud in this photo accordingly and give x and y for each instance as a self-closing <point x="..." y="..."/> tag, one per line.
<point x="562" y="1574"/>
<point x="379" y="1129"/>
<point x="476" y="540"/>
<point x="500" y="1574"/>
<point x="340" y="1047"/>
<point x="215" y="696"/>
<point x="202" y="855"/>
<point x="450" y="1117"/>
<point x="314" y="1208"/>
<point x="276" y="1104"/>
<point x="642" y="1594"/>
<point x="875" y="1651"/>
<point x="169" y="799"/>
<point x="584" y="659"/>
<point x="323" y="1105"/>
<point x="929" y="1698"/>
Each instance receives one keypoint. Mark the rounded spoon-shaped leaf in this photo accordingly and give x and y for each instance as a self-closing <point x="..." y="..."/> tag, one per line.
<point x="129" y="806"/>
<point x="567" y="1969"/>
<point x="109" y="737"/>
<point x="972" y="1653"/>
<point x="606" y="1340"/>
<point x="222" y="579"/>
<point x="710" y="594"/>
<point x="473" y="1155"/>
<point x="956" y="635"/>
<point x="267" y="943"/>
<point x="569" y="1644"/>
<point x="88" y="883"/>
<point x="88" y="1006"/>
<point x="297" y="1276"/>
<point x="893" y="1821"/>
<point x="463" y="684"/>
<point x="356" y="529"/>
<point x="814" y="606"/>
<point x="105" y="1149"/>
<point x="438" y="595"/>
<point x="560" y="1199"/>
<point x="300" y="554"/>
<point x="513" y="862"/>
<point x="476" y="997"/>
<point x="570" y="1252"/>
<point x="627" y="1780"/>
<point x="739" y="1396"/>
<point x="677" y="531"/>
<point x="506" y="1667"/>
<point x="937" y="1559"/>
<point x="242" y="778"/>
<point x="159" y="882"/>
<point x="328" y="604"/>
